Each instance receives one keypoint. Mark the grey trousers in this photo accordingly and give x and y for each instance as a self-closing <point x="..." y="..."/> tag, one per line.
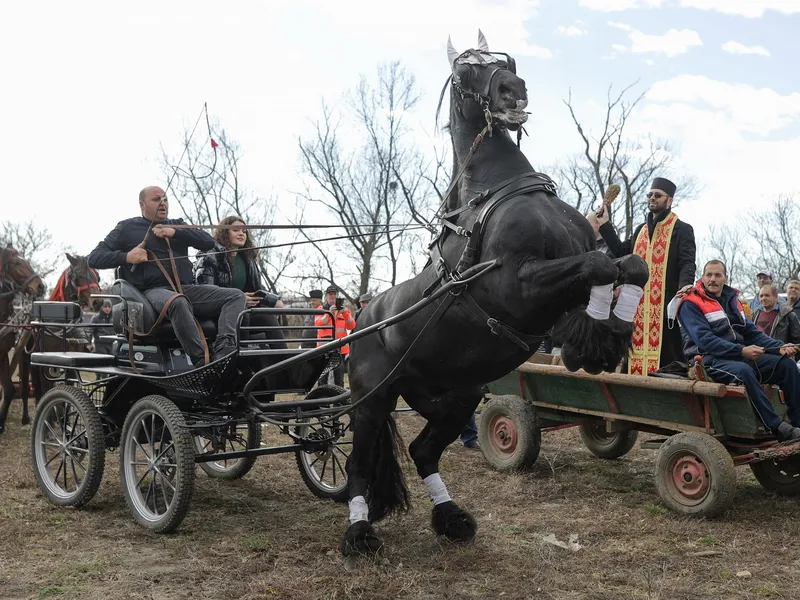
<point x="204" y="302"/>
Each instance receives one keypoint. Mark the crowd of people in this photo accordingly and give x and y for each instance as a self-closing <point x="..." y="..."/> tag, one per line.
<point x="678" y="318"/>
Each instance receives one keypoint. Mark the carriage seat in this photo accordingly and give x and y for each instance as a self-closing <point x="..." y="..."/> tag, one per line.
<point x="144" y="315"/>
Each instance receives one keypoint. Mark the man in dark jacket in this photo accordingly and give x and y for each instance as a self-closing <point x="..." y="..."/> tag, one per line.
<point x="793" y="296"/>
<point x="103" y="317"/>
<point x="127" y="246"/>
<point x="667" y="246"/>
<point x="714" y="325"/>
<point x="776" y="320"/>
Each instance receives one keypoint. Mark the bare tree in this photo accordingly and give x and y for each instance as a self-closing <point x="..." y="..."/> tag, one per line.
<point x="208" y="187"/>
<point x="369" y="179"/>
<point x="613" y="157"/>
<point x="35" y="244"/>
<point x="774" y="235"/>
<point x="728" y="244"/>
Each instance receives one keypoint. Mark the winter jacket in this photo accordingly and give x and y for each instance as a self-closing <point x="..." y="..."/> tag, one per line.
<point x="344" y="323"/>
<point x="105" y="319"/>
<point x="112" y="252"/>
<point x="214" y="268"/>
<point x="786" y="327"/>
<point x="718" y="327"/>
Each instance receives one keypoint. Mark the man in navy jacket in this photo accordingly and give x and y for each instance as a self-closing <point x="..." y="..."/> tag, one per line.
<point x="713" y="324"/>
<point x="127" y="246"/>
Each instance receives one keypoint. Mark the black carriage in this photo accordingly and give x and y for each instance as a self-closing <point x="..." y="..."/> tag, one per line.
<point x="164" y="416"/>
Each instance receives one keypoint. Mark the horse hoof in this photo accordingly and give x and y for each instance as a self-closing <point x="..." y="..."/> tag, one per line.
<point x="26" y="421"/>
<point x="456" y="524"/>
<point x="360" y="540"/>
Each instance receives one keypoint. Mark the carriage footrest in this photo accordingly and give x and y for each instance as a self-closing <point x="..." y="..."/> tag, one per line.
<point x="75" y="360"/>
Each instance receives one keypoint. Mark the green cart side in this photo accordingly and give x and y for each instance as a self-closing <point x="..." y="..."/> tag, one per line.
<point x="708" y="428"/>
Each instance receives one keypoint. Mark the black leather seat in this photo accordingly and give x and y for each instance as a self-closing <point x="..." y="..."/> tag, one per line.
<point x="144" y="315"/>
<point x="75" y="360"/>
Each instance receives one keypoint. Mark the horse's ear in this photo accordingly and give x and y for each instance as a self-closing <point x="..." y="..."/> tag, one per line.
<point x="452" y="53"/>
<point x="482" y="43"/>
<point x="72" y="260"/>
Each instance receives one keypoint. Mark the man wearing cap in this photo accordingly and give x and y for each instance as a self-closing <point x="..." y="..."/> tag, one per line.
<point x="104" y="327"/>
<point x="343" y="323"/>
<point x="763" y="278"/>
<point x="667" y="245"/>
<point x="364" y="301"/>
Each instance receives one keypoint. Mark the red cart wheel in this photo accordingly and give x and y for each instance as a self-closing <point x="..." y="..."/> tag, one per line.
<point x="509" y="436"/>
<point x="695" y="475"/>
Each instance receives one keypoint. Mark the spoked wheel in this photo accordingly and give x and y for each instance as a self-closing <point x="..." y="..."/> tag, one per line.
<point x="509" y="436"/>
<point x="232" y="438"/>
<point x="603" y="444"/>
<point x="67" y="447"/>
<point x="695" y="475"/>
<point x="324" y="471"/>
<point x="157" y="464"/>
<point x="779" y="476"/>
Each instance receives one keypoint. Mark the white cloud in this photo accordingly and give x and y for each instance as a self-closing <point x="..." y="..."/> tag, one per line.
<point x="576" y="30"/>
<point x="672" y="43"/>
<point x="649" y="62"/>
<point x="618" y="5"/>
<point x="745" y="8"/>
<point x="619" y="48"/>
<point x="737" y="48"/>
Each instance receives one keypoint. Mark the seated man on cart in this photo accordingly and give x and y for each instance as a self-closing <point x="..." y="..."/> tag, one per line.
<point x="127" y="246"/>
<point x="713" y="325"/>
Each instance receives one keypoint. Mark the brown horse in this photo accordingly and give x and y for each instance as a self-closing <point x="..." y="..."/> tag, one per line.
<point x="17" y="280"/>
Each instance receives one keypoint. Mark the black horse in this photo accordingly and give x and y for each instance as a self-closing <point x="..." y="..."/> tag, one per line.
<point x="545" y="272"/>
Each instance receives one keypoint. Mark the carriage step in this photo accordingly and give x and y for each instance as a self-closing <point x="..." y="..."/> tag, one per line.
<point x="74" y="360"/>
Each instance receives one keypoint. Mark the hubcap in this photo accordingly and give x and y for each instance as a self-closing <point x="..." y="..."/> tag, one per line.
<point x="503" y="434"/>
<point x="690" y="479"/>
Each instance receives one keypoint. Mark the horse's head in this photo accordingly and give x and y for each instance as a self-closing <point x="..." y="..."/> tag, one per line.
<point x="84" y="281"/>
<point x="486" y="83"/>
<point x="17" y="275"/>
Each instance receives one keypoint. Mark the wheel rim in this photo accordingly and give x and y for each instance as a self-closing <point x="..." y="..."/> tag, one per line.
<point x="151" y="469"/>
<point x="240" y="441"/>
<point x="783" y="472"/>
<point x="597" y="432"/>
<point x="688" y="479"/>
<point x="62" y="448"/>
<point x="503" y="434"/>
<point x="327" y="468"/>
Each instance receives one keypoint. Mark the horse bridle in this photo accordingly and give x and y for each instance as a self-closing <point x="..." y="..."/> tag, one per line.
<point x="92" y="286"/>
<point x="8" y="286"/>
<point x="483" y="96"/>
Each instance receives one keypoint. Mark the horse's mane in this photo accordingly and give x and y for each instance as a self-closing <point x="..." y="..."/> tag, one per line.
<point x="58" y="294"/>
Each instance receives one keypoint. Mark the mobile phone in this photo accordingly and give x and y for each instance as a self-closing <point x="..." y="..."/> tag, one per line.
<point x="339" y="303"/>
<point x="260" y="293"/>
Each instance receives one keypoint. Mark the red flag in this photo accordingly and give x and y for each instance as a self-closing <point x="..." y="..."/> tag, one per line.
<point x="213" y="143"/>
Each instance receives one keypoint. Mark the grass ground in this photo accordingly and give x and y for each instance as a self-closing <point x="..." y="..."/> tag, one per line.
<point x="267" y="536"/>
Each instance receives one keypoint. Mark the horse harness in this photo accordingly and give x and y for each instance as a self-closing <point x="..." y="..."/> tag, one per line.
<point x="8" y="286"/>
<point x="488" y="201"/>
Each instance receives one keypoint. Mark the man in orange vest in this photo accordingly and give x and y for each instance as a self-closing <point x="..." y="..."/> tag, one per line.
<point x="344" y="324"/>
<point x="667" y="245"/>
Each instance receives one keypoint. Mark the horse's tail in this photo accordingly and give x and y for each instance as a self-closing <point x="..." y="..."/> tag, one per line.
<point x="387" y="492"/>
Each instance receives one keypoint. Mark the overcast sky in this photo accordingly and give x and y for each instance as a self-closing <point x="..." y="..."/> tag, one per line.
<point x="91" y="90"/>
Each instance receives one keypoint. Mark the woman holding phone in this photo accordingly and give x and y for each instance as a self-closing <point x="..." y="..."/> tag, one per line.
<point x="233" y="262"/>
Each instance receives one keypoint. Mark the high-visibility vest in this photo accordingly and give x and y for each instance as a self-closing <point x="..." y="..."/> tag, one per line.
<point x="344" y="323"/>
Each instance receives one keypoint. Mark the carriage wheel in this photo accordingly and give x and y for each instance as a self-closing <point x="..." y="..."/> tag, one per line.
<point x="603" y="444"/>
<point x="67" y="447"/>
<point x="508" y="433"/>
<point x="779" y="476"/>
<point x="324" y="472"/>
<point x="695" y="475"/>
<point x="242" y="436"/>
<point x="157" y="464"/>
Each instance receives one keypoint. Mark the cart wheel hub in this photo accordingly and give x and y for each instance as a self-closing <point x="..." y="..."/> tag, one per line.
<point x="503" y="434"/>
<point x="690" y="477"/>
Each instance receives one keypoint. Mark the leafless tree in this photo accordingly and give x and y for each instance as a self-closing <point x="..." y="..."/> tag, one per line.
<point x="728" y="244"/>
<point x="613" y="157"/>
<point x="370" y="179"/>
<point x="35" y="244"/>
<point x="208" y="186"/>
<point x="774" y="237"/>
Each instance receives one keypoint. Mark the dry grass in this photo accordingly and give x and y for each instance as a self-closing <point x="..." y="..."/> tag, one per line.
<point x="266" y="536"/>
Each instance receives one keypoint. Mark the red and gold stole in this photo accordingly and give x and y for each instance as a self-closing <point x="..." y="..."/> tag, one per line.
<point x="647" y="324"/>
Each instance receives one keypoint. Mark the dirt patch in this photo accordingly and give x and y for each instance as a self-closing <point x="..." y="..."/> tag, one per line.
<point x="267" y="536"/>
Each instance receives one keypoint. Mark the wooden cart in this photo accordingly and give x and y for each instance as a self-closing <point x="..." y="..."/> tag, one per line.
<point x="708" y="428"/>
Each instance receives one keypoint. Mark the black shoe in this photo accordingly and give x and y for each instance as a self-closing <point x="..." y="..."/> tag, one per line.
<point x="787" y="433"/>
<point x="472" y="445"/>
<point x="223" y="347"/>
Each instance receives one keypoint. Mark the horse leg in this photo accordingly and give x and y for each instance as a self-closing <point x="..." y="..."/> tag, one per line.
<point x="24" y="378"/>
<point x="591" y="335"/>
<point x="8" y="388"/>
<point x="446" y="416"/>
<point x="375" y="480"/>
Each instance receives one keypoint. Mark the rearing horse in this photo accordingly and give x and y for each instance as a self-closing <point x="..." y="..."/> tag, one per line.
<point x="17" y="278"/>
<point x="545" y="277"/>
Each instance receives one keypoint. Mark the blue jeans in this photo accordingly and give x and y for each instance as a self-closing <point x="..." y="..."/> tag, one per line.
<point x="768" y="368"/>
<point x="470" y="431"/>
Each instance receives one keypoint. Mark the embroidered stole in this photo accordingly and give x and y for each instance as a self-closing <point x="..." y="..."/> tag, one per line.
<point x="648" y="322"/>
